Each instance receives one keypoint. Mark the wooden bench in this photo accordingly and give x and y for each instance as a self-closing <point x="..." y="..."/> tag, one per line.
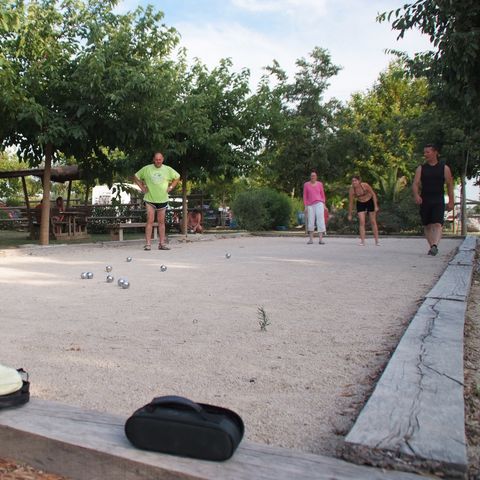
<point x="116" y="229"/>
<point x="87" y="445"/>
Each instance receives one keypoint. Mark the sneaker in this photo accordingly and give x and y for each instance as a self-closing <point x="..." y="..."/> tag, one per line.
<point x="433" y="250"/>
<point x="321" y="242"/>
<point x="309" y="242"/>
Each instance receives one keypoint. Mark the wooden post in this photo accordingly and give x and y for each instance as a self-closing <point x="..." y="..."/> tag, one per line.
<point x="463" y="205"/>
<point x="45" y="223"/>
<point x="69" y="193"/>
<point x="27" y="204"/>
<point x="184" y="201"/>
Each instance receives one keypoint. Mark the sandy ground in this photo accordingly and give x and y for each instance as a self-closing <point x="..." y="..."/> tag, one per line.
<point x="335" y="310"/>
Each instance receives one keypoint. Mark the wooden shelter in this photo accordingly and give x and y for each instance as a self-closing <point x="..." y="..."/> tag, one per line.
<point x="63" y="174"/>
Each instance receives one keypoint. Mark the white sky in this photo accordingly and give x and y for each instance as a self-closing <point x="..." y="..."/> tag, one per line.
<point x="254" y="32"/>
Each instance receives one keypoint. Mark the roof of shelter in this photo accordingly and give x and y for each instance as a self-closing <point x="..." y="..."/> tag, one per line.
<point x="58" y="174"/>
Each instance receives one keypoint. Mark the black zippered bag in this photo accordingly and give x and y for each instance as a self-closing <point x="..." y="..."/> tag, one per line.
<point x="178" y="426"/>
<point x="18" y="397"/>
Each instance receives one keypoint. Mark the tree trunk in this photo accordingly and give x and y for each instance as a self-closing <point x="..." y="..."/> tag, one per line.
<point x="184" y="201"/>
<point x="463" y="197"/>
<point x="45" y="223"/>
<point x="463" y="209"/>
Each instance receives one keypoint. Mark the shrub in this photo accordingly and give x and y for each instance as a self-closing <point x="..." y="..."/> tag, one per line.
<point x="338" y="222"/>
<point x="297" y="207"/>
<point x="261" y="209"/>
<point x="399" y="216"/>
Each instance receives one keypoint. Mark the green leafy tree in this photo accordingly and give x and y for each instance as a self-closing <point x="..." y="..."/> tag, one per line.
<point x="296" y="124"/>
<point x="79" y="77"/>
<point x="12" y="187"/>
<point x="211" y="123"/>
<point x="452" y="68"/>
<point x="378" y="129"/>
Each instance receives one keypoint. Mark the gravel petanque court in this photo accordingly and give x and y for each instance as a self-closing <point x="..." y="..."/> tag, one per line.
<point x="335" y="311"/>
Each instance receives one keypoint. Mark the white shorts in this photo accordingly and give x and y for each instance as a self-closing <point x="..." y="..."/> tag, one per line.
<point x="316" y="216"/>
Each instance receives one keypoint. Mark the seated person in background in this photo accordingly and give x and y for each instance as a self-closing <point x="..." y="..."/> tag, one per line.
<point x="194" y="221"/>
<point x="57" y="214"/>
<point x="38" y="211"/>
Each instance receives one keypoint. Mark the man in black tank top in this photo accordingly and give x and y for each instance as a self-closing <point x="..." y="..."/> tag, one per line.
<point x="429" y="194"/>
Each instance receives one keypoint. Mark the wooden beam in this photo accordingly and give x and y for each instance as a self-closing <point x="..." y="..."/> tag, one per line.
<point x="86" y="445"/>
<point x="69" y="194"/>
<point x="414" y="420"/>
<point x="463" y="257"/>
<point x="454" y="284"/>
<point x="470" y="243"/>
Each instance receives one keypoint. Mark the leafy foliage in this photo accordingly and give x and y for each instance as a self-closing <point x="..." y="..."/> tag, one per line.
<point x="261" y="209"/>
<point x="378" y="128"/>
<point x="452" y="70"/>
<point x="80" y="78"/>
<point x="295" y="124"/>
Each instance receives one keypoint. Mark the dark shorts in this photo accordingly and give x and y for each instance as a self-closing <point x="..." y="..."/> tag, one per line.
<point x="367" y="206"/>
<point x="156" y="206"/>
<point x="432" y="211"/>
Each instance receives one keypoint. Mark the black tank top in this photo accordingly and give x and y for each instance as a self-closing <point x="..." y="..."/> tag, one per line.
<point x="433" y="180"/>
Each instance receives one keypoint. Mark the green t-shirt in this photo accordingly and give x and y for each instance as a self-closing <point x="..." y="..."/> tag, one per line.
<point x="157" y="180"/>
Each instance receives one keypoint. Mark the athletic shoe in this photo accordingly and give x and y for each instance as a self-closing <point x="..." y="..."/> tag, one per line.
<point x="309" y="242"/>
<point x="321" y="242"/>
<point x="433" y="250"/>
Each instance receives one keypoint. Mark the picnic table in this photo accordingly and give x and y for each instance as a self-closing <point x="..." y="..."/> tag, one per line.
<point x="72" y="225"/>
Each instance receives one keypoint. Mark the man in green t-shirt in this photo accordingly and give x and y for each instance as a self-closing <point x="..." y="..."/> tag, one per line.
<point x="156" y="181"/>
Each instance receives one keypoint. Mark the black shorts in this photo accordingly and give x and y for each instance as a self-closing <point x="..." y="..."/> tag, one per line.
<point x="432" y="211"/>
<point x="156" y="206"/>
<point x="367" y="206"/>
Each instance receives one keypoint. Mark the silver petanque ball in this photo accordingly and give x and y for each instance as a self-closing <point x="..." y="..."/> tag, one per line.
<point x="129" y="259"/>
<point x="120" y="281"/>
<point x="125" y="284"/>
<point x="89" y="275"/>
<point x="83" y="275"/>
<point x="110" y="278"/>
<point x="228" y="255"/>
<point x="163" y="268"/>
<point x="108" y="268"/>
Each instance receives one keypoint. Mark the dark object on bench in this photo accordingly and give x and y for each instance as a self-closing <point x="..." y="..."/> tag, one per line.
<point x="179" y="426"/>
<point x="19" y="397"/>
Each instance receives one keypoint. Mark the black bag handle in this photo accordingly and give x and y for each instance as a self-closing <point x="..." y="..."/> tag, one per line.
<point x="176" y="400"/>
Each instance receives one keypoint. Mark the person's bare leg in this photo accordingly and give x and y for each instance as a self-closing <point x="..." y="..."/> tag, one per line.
<point x="428" y="229"/>
<point x="436" y="229"/>
<point x="361" y="227"/>
<point x="310" y="235"/>
<point x="149" y="224"/>
<point x="161" y="225"/>
<point x="373" y="223"/>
